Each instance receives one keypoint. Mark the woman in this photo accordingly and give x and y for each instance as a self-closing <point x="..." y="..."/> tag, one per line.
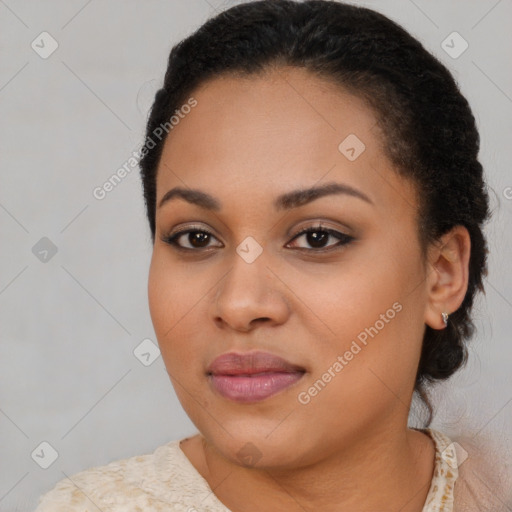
<point x="316" y="207"/>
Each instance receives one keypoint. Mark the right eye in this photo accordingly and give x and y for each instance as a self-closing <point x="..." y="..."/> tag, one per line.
<point x="197" y="239"/>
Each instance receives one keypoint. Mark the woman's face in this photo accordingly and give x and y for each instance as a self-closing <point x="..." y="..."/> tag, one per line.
<point x="345" y="307"/>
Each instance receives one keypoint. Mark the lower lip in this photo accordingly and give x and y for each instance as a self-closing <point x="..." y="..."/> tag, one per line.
<point x="253" y="389"/>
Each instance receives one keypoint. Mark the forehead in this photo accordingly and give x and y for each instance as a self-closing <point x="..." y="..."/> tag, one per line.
<point x="272" y="133"/>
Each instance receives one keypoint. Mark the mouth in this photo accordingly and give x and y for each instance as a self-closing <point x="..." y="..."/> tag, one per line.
<point x="253" y="376"/>
<point x="254" y="387"/>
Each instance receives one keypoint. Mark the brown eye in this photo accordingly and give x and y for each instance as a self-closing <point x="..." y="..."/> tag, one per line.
<point x="195" y="238"/>
<point x="318" y="236"/>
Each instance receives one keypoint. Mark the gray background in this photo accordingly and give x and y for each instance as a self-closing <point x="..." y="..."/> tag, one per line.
<point x="69" y="325"/>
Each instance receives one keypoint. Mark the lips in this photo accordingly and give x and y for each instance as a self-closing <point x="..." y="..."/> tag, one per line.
<point x="251" y="363"/>
<point x="253" y="376"/>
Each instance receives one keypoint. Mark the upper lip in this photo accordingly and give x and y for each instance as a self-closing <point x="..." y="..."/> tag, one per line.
<point x="233" y="363"/>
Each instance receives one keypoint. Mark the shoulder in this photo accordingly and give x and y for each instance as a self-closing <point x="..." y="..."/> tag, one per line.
<point x="143" y="482"/>
<point x="485" y="474"/>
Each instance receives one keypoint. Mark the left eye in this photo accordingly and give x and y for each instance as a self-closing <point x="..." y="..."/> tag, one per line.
<point x="318" y="236"/>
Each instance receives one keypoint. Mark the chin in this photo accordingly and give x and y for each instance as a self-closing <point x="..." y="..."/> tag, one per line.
<point x="257" y="446"/>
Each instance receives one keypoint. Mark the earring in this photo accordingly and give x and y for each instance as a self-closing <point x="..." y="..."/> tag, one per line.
<point x="445" y="318"/>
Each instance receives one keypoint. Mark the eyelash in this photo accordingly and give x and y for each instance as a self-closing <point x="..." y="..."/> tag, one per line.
<point x="344" y="239"/>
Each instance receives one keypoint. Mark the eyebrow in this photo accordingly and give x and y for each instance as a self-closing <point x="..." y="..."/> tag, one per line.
<point x="286" y="201"/>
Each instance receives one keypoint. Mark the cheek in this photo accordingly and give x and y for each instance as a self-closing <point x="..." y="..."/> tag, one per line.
<point x="173" y="303"/>
<point x="172" y="299"/>
<point x="162" y="290"/>
<point x="367" y="371"/>
<point x="373" y="320"/>
<point x="351" y="295"/>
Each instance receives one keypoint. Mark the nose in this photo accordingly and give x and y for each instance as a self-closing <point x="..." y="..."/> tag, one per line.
<point x="250" y="294"/>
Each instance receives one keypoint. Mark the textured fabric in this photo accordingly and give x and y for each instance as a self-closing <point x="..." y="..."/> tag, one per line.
<point x="440" y="497"/>
<point x="166" y="480"/>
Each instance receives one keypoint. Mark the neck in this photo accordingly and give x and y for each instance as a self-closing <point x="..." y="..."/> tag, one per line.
<point x="390" y="468"/>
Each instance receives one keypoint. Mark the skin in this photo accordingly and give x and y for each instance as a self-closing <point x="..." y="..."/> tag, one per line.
<point x="247" y="141"/>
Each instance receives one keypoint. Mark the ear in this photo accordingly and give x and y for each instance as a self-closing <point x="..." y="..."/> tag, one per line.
<point x="448" y="271"/>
